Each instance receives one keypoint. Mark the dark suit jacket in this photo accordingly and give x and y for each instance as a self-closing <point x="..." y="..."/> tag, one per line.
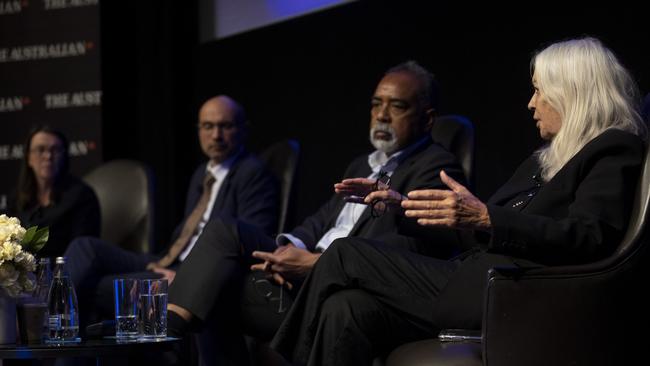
<point x="249" y="194"/>
<point x="420" y="170"/>
<point x="579" y="216"/>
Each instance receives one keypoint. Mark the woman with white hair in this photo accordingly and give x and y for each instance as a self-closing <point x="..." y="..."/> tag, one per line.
<point x="569" y="203"/>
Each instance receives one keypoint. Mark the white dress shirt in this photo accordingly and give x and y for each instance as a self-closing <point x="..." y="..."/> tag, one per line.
<point x="219" y="171"/>
<point x="351" y="212"/>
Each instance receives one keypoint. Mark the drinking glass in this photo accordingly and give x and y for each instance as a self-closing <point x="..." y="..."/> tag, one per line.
<point x="126" y="308"/>
<point x="153" y="309"/>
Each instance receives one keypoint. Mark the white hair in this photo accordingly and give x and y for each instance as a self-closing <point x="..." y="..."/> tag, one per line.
<point x="590" y="89"/>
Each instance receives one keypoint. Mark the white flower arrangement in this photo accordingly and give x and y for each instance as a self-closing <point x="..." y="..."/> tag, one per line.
<point x="17" y="262"/>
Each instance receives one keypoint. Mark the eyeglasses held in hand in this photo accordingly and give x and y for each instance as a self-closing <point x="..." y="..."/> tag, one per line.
<point x="264" y="288"/>
<point x="377" y="206"/>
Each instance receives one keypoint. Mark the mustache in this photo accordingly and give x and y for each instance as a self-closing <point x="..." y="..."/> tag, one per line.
<point x="383" y="127"/>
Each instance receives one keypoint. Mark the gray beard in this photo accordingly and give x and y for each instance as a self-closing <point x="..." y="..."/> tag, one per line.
<point x="385" y="146"/>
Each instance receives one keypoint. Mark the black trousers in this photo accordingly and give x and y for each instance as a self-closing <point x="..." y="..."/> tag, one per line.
<point x="216" y="285"/>
<point x="364" y="297"/>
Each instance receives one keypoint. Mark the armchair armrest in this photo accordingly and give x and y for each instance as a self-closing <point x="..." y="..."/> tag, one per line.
<point x="569" y="315"/>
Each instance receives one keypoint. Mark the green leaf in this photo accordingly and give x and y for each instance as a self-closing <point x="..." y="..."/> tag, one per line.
<point x="29" y="235"/>
<point x="35" y="238"/>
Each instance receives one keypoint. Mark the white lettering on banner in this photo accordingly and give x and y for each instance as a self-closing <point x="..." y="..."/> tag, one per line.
<point x="79" y="148"/>
<point x="4" y="152"/>
<point x="10" y="7"/>
<point x="76" y="99"/>
<point x="76" y="148"/>
<point x="11" y="152"/>
<point x="11" y="104"/>
<point x="45" y="51"/>
<point x="17" y="152"/>
<point x="62" y="4"/>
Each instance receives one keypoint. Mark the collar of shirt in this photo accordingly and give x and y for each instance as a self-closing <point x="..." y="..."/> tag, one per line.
<point x="378" y="160"/>
<point x="219" y="171"/>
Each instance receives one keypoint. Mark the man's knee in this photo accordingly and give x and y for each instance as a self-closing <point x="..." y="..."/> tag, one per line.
<point x="85" y="246"/>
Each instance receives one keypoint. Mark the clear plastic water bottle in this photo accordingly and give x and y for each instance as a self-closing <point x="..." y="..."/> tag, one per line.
<point x="63" y="320"/>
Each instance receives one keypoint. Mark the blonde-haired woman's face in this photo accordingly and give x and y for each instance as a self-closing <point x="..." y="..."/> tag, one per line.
<point x="547" y="118"/>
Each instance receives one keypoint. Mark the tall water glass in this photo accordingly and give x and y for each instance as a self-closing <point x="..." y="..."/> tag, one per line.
<point x="126" y="293"/>
<point x="153" y="309"/>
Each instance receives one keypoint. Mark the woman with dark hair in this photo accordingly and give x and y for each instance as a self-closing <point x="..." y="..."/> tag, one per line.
<point x="47" y="195"/>
<point x="569" y="203"/>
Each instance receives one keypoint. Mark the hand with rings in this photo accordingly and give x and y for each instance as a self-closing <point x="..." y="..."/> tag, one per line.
<point x="456" y="208"/>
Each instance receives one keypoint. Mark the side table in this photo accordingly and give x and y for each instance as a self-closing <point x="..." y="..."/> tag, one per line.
<point x="99" y="349"/>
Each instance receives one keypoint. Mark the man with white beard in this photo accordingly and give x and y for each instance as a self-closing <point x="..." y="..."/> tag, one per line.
<point x="243" y="280"/>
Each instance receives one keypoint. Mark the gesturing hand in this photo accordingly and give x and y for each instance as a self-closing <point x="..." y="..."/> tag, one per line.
<point x="354" y="189"/>
<point x="288" y="261"/>
<point x="456" y="208"/>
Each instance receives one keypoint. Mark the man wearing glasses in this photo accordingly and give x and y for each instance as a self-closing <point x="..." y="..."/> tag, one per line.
<point x="232" y="184"/>
<point x="215" y="284"/>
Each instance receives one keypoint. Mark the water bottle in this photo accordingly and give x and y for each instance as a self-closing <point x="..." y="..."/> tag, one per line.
<point x="63" y="320"/>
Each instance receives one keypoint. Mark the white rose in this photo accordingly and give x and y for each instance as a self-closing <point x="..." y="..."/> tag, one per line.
<point x="10" y="229"/>
<point x="10" y="250"/>
<point x="26" y="261"/>
<point x="5" y="233"/>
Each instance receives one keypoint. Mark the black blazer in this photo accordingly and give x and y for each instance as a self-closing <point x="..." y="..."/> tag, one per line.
<point x="249" y="194"/>
<point x="579" y="216"/>
<point x="419" y="170"/>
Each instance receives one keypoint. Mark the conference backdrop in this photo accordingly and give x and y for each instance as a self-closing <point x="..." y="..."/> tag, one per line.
<point x="49" y="75"/>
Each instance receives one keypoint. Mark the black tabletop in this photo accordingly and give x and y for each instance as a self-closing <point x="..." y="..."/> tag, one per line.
<point x="107" y="347"/>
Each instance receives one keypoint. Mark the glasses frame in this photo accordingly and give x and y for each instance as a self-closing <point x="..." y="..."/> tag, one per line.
<point x="40" y="150"/>
<point x="377" y="207"/>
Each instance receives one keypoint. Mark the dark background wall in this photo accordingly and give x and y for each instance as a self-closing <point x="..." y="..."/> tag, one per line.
<point x="311" y="79"/>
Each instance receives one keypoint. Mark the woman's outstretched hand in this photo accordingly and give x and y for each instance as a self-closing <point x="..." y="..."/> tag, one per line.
<point x="456" y="208"/>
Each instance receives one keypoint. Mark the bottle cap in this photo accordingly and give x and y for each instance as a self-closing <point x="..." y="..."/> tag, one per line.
<point x="60" y="260"/>
<point x="44" y="261"/>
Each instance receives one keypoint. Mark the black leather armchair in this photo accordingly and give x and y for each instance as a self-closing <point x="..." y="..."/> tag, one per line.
<point x="282" y="159"/>
<point x="645" y="108"/>
<point x="456" y="134"/>
<point x="125" y="192"/>
<point x="592" y="314"/>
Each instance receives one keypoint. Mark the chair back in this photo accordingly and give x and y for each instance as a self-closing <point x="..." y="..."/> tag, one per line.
<point x="456" y="134"/>
<point x="282" y="160"/>
<point x="640" y="212"/>
<point x="125" y="192"/>
<point x="645" y="109"/>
